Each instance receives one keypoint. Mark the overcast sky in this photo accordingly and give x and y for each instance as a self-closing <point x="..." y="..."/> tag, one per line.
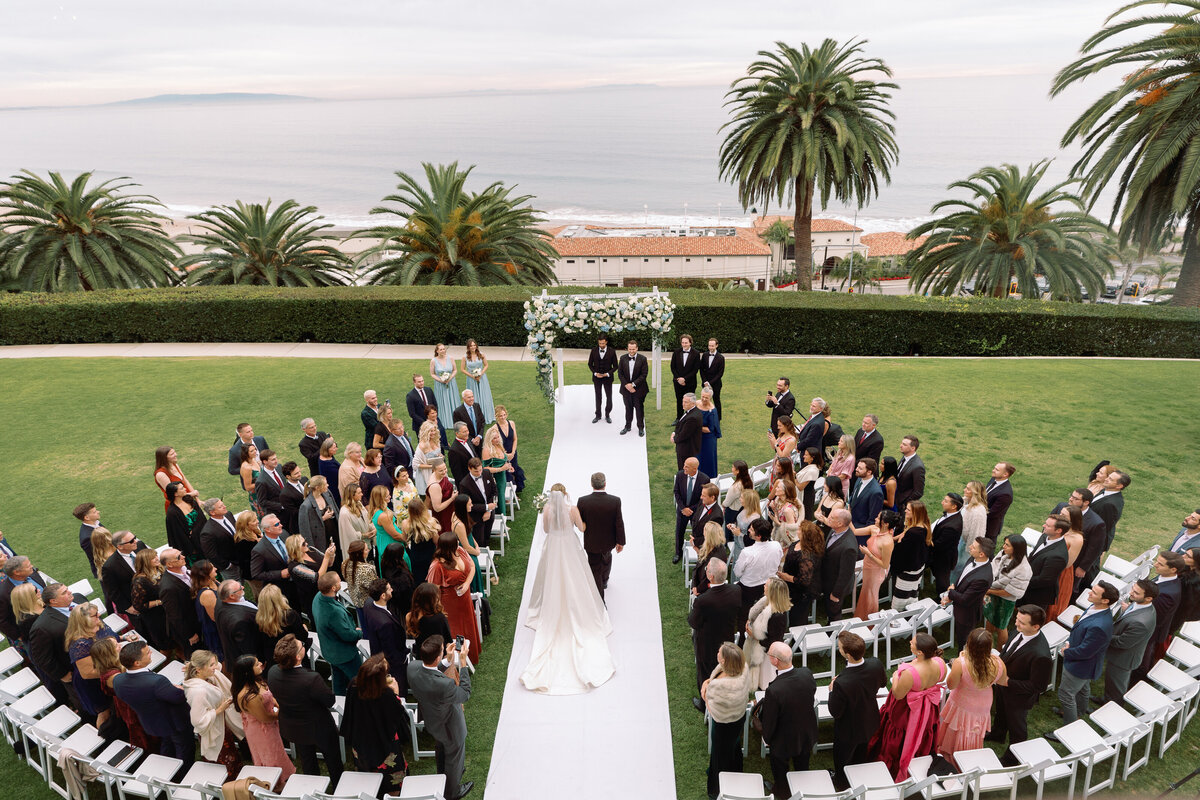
<point x="89" y="52"/>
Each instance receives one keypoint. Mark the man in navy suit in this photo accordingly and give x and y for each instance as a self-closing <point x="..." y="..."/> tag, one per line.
<point x="385" y="633"/>
<point x="1083" y="654"/>
<point x="1189" y="535"/>
<point x="689" y="482"/>
<point x="866" y="495"/>
<point x="89" y="519"/>
<point x="397" y="450"/>
<point x="1166" y="605"/>
<point x="160" y="705"/>
<point x="245" y="435"/>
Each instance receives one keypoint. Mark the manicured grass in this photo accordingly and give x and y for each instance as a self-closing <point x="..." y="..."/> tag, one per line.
<point x="87" y="429"/>
<point x="90" y="427"/>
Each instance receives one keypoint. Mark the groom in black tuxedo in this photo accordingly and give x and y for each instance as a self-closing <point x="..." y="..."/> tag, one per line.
<point x="604" y="529"/>
<point x="633" y="369"/>
<point x="602" y="362"/>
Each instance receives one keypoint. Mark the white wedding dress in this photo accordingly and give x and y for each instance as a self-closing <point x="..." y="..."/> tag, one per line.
<point x="570" y="652"/>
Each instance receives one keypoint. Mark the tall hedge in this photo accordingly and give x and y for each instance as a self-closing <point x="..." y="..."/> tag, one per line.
<point x="774" y="322"/>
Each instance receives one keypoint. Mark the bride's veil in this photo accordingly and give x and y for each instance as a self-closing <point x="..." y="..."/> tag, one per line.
<point x="556" y="516"/>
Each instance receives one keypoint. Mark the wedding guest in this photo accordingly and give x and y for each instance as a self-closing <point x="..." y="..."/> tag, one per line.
<point x="1083" y="654"/>
<point x="249" y="466"/>
<point x="102" y="550"/>
<point x="217" y="538"/>
<point x="713" y="620"/>
<point x="710" y="431"/>
<point x="452" y="572"/>
<point x="888" y="482"/>
<point x="461" y="527"/>
<point x="740" y="531"/>
<point x="381" y="432"/>
<point x="508" y="437"/>
<point x="421" y="529"/>
<point x="372" y="475"/>
<point x="427" y="617"/>
<point x="260" y="717"/>
<point x="785" y="442"/>
<point x="967" y="712"/>
<point x="1132" y="630"/>
<point x="724" y="695"/>
<point x="350" y="470"/>
<point x="318" y="514"/>
<point x="384" y="631"/>
<point x="712" y="547"/>
<point x="802" y="571"/>
<point x="235" y="621"/>
<point x="732" y="503"/>
<point x="304" y="700"/>
<point x="360" y="574"/>
<point x="246" y="534"/>
<point x="275" y="619"/>
<point x="947" y="537"/>
<point x="999" y="498"/>
<point x="329" y="469"/>
<point x="1074" y="540"/>
<point x="439" y="498"/>
<point x="837" y="566"/>
<point x="1047" y="563"/>
<point x="369" y="415"/>
<point x="161" y="706"/>
<point x="354" y="520"/>
<point x="337" y="632"/>
<point x="877" y="558"/>
<point x="442" y="688"/>
<point x="143" y="591"/>
<point x="766" y="625"/>
<point x="184" y="521"/>
<point x="852" y="704"/>
<point x="1010" y="577"/>
<point x="403" y="493"/>
<point x="910" y="555"/>
<point x="384" y="529"/>
<point x="84" y="629"/>
<point x="788" y="714"/>
<point x="398" y="451"/>
<point x="974" y="519"/>
<point x="784" y="512"/>
<point x="1189" y="596"/>
<point x="310" y="445"/>
<point x="909" y="718"/>
<point x="306" y="566"/>
<point x="842" y="464"/>
<point x="398" y="573"/>
<point x="495" y="461"/>
<point x="204" y="596"/>
<point x="167" y="471"/>
<point x="89" y="519"/>
<point x="806" y="480"/>
<point x="106" y="660"/>
<point x="1167" y="565"/>
<point x="1027" y="671"/>
<point x="216" y="722"/>
<point x="375" y="722"/>
<point x="1099" y="476"/>
<point x="865" y="500"/>
<point x="428" y="450"/>
<point x="968" y="592"/>
<point x="758" y="563"/>
<point x="833" y="498"/>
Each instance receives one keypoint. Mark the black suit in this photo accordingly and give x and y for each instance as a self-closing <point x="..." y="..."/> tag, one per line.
<point x="310" y="450"/>
<point x="479" y="503"/>
<point x="1109" y="508"/>
<point x="604" y="529"/>
<point x="1047" y="565"/>
<point x="417" y="401"/>
<point x="713" y="620"/>
<point x="238" y="631"/>
<point x="606" y="365"/>
<point x="397" y="452"/>
<point x="688" y="432"/>
<point x="837" y="572"/>
<point x="789" y="723"/>
<point x="702" y="517"/>
<point x="1088" y="560"/>
<point x="387" y="635"/>
<point x="235" y="452"/>
<point x="684" y="365"/>
<point x="812" y="434"/>
<point x="712" y="371"/>
<point x="967" y="597"/>
<point x="473" y="417"/>
<point x="291" y="499"/>
<point x="267" y="491"/>
<point x="784" y="406"/>
<point x="118" y="583"/>
<point x="458" y="457"/>
<point x="685" y="499"/>
<point x="304" y="700"/>
<point x="910" y="482"/>
<point x="180" y="611"/>
<point x="999" y="498"/>
<point x="216" y="543"/>
<point x="947" y="533"/>
<point x="85" y="543"/>
<point x="163" y="711"/>
<point x="635" y="401"/>
<point x="1029" y="670"/>
<point x="855" y="713"/>
<point x="868" y="445"/>
<point x="48" y="652"/>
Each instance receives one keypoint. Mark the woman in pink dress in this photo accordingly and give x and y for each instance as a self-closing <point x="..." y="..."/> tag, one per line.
<point x="967" y="713"/>
<point x="877" y="558"/>
<point x="910" y="715"/>
<point x="260" y="717"/>
<point x="452" y="571"/>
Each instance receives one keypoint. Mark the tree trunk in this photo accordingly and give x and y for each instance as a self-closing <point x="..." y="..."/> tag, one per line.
<point x="802" y="229"/>
<point x="1187" y="287"/>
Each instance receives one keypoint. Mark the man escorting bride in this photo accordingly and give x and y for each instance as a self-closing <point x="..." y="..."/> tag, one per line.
<point x="570" y="652"/>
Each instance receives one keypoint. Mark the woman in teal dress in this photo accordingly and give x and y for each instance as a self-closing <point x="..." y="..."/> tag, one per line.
<point x="249" y="469"/>
<point x="383" y="518"/>
<point x="461" y="527"/>
<point x="495" y="461"/>
<point x="476" y="364"/>
<point x="445" y="383"/>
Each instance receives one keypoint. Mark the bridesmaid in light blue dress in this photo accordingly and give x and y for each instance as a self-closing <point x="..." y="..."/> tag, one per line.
<point x="445" y="383"/>
<point x="475" y="361"/>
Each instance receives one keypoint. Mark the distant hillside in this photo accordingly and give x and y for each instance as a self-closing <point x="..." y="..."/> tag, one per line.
<point x="221" y="97"/>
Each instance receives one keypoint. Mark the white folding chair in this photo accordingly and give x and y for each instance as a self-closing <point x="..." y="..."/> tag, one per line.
<point x="299" y="785"/>
<point x="1151" y="702"/>
<point x="415" y="725"/>
<point x="268" y="775"/>
<point x="10" y="659"/>
<point x="814" y="640"/>
<point x="817" y="785"/>
<point x="1082" y="740"/>
<point x="82" y="586"/>
<point x="41" y="735"/>
<point x="34" y="703"/>
<point x="1186" y="655"/>
<point x="1044" y="764"/>
<point x="172" y="671"/>
<point x="18" y="684"/>
<point x="993" y="776"/>
<point x="1175" y="681"/>
<point x="875" y="778"/>
<point x="423" y="787"/>
<point x="487" y="563"/>
<point x="1114" y="720"/>
<point x="200" y="774"/>
<point x="154" y="768"/>
<point x="742" y="786"/>
<point x="936" y="787"/>
<point x="157" y="659"/>
<point x="354" y="784"/>
<point x="1190" y="630"/>
<point x="116" y="624"/>
<point x="690" y="559"/>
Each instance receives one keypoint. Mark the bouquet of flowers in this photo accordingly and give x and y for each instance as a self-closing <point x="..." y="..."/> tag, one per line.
<point x="540" y="501"/>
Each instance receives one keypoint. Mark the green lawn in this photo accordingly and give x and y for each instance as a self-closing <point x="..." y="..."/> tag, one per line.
<point x="90" y="426"/>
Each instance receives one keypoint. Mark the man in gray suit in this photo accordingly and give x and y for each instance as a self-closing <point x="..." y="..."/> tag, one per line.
<point x="1132" y="629"/>
<point x="441" y="689"/>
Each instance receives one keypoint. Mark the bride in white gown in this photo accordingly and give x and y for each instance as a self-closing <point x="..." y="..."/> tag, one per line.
<point x="570" y="649"/>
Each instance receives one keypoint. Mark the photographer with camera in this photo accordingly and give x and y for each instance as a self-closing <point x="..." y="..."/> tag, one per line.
<point x="441" y="687"/>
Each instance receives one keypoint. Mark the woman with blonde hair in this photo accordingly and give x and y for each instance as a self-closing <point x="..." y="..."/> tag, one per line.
<point x="767" y="623"/>
<point x="421" y="529"/>
<point x="967" y="713"/>
<point x="383" y="520"/>
<point x="495" y="461"/>
<point x="974" y="521"/>
<point x="275" y="619"/>
<point x="27" y="606"/>
<point x="428" y="448"/>
<point x="350" y="471"/>
<point x="751" y="510"/>
<point x="724" y="694"/>
<point x="843" y="463"/>
<point x="84" y="629"/>
<point x="304" y="570"/>
<point x="508" y="436"/>
<point x="318" y="514"/>
<point x="354" y="520"/>
<point x="102" y="548"/>
<point x="215" y="720"/>
<point x="246" y="534"/>
<point x="144" y="592"/>
<point x="712" y="547"/>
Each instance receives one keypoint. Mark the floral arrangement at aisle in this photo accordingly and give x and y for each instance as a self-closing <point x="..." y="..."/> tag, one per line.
<point x="546" y="315"/>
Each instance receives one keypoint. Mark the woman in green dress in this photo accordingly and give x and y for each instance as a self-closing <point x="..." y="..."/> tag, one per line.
<point x="495" y="460"/>
<point x="249" y="469"/>
<point x="384" y="519"/>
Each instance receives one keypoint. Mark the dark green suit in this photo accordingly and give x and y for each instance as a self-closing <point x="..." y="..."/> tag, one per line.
<point x="339" y="640"/>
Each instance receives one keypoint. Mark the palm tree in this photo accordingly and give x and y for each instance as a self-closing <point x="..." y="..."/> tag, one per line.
<point x="250" y="245"/>
<point x="808" y="121"/>
<point x="56" y="236"/>
<point x="1006" y="232"/>
<point x="453" y="237"/>
<point x="1142" y="134"/>
<point x="778" y="235"/>
<point x="1127" y="256"/>
<point x="1162" y="271"/>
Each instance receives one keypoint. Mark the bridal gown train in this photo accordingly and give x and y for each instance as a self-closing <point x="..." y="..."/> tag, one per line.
<point x="570" y="652"/>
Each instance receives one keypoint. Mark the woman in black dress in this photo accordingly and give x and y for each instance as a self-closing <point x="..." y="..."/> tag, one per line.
<point x="834" y="497"/>
<point x="276" y="619"/>
<point x="144" y="591"/>
<point x="802" y="571"/>
<point x="305" y="566"/>
<point x="395" y="570"/>
<point x="184" y="521"/>
<point x="426" y="617"/>
<point x="374" y="724"/>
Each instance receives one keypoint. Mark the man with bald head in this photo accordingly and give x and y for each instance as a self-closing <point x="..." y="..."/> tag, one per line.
<point x="789" y="716"/>
<point x="837" y="567"/>
<point x="175" y="592"/>
<point x="369" y="416"/>
<point x="689" y="482"/>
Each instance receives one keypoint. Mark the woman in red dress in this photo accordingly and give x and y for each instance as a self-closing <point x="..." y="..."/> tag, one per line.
<point x="440" y="497"/>
<point x="452" y="572"/>
<point x="908" y="720"/>
<point x="167" y="471"/>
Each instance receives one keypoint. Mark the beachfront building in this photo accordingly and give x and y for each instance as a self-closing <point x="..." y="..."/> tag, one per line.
<point x="890" y="245"/>
<point x="832" y="240"/>
<point x="599" y="256"/>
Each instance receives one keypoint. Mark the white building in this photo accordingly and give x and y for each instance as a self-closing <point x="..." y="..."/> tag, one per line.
<point x="831" y="238"/>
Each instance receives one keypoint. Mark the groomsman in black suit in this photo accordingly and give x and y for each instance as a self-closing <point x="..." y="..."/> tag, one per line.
<point x="310" y="444"/>
<point x="688" y="431"/>
<point x="685" y="363"/>
<point x="689" y="482"/>
<point x="245" y="436"/>
<point x="1047" y="560"/>
<point x="480" y="485"/>
<point x="269" y="484"/>
<point x="968" y="593"/>
<point x="89" y="519"/>
<point x="713" y="620"/>
<point x="1028" y="666"/>
<point x="782" y="403"/>
<point x="999" y="498"/>
<point x="789" y="717"/>
<point x="868" y="441"/>
<point x="604" y="529"/>
<point x="602" y="363"/>
<point x="470" y="413"/>
<point x="633" y="369"/>
<point x="712" y="371"/>
<point x="417" y="401"/>
<point x="397" y="450"/>
<point x="852" y="704"/>
<point x="910" y="473"/>
<point x="385" y="632"/>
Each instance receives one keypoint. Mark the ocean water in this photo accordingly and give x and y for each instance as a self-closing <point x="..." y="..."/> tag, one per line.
<point x="618" y="155"/>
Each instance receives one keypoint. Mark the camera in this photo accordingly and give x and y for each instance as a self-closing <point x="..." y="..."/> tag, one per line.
<point x="458" y="642"/>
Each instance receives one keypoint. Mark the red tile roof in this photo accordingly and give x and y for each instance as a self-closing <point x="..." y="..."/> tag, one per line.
<point x="819" y="225"/>
<point x="890" y="243"/>
<point x="745" y="243"/>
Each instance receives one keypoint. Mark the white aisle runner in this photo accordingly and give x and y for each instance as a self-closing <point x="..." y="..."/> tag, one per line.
<point x="614" y="741"/>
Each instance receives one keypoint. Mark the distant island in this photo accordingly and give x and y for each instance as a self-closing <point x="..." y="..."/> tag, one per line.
<point x="218" y="97"/>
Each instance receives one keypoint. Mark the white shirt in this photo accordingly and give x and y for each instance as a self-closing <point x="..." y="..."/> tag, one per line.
<point x="299" y="487"/>
<point x="1048" y="541"/>
<point x="1136" y="607"/>
<point x="972" y="564"/>
<point x="759" y="562"/>
<point x="1165" y="579"/>
<point x="226" y="523"/>
<point x="1093" y="610"/>
<point x="183" y="576"/>
<point x="1020" y="642"/>
<point x="996" y="483"/>
<point x="466" y="444"/>
<point x="242" y="602"/>
<point x="482" y="491"/>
